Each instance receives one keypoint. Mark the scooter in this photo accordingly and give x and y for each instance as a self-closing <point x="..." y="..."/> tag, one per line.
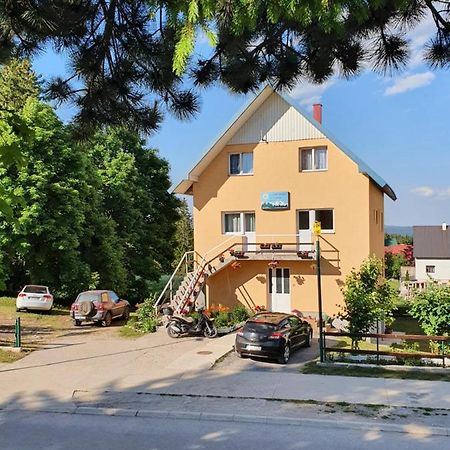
<point x="186" y="326"/>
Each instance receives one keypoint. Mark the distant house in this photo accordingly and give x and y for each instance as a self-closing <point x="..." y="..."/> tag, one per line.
<point x="432" y="253"/>
<point x="397" y="249"/>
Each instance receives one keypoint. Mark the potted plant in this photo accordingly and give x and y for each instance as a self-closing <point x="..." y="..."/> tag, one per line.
<point x="222" y="258"/>
<point x="239" y="254"/>
<point x="277" y="246"/>
<point x="232" y="252"/>
<point x="265" y="246"/>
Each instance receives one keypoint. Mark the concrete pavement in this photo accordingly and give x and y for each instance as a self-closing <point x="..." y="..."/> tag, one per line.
<point x="156" y="363"/>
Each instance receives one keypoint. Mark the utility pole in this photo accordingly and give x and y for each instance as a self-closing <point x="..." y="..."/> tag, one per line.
<point x="317" y="232"/>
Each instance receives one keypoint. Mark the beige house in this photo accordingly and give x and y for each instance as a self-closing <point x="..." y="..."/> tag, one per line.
<point x="257" y="193"/>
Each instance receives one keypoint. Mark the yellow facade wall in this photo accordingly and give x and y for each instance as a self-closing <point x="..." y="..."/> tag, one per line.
<point x="276" y="167"/>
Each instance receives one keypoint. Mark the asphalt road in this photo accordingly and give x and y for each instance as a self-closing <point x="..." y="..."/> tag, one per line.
<point x="34" y="430"/>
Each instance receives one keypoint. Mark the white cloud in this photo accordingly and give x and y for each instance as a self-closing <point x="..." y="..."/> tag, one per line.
<point x="424" y="191"/>
<point x="429" y="192"/>
<point x="309" y="93"/>
<point x="410" y="83"/>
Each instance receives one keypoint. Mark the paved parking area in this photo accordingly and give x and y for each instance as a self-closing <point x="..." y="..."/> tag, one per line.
<point x="303" y="355"/>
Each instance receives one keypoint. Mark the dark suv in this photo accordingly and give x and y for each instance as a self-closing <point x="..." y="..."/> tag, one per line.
<point x="273" y="335"/>
<point x="98" y="306"/>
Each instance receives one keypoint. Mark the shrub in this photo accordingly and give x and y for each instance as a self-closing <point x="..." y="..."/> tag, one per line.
<point x="146" y="316"/>
<point x="239" y="314"/>
<point x="367" y="298"/>
<point x="431" y="308"/>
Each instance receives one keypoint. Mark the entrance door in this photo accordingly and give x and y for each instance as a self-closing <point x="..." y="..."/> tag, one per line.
<point x="249" y="238"/>
<point x="305" y="226"/>
<point x="280" y="290"/>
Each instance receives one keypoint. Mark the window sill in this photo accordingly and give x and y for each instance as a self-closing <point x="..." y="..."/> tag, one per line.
<point x="313" y="170"/>
<point x="240" y="174"/>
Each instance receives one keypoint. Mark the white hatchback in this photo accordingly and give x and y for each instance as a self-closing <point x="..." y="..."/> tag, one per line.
<point x="34" y="297"/>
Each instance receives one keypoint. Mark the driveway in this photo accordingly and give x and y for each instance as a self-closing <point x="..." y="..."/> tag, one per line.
<point x="305" y="354"/>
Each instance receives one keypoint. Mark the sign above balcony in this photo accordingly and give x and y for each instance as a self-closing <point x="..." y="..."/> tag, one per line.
<point x="271" y="201"/>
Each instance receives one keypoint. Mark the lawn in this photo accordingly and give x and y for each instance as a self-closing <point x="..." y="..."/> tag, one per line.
<point x="36" y="327"/>
<point x="9" y="357"/>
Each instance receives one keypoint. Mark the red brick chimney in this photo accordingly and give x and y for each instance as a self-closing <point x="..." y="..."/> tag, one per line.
<point x="317" y="112"/>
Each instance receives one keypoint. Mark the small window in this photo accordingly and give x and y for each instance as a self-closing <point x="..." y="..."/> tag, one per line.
<point x="236" y="223"/>
<point x="241" y="163"/>
<point x="314" y="159"/>
<point x="113" y="296"/>
<point x="326" y="219"/>
<point x="430" y="269"/>
<point x="233" y="223"/>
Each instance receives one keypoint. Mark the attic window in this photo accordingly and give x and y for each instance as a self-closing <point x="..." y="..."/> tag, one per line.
<point x="241" y="163"/>
<point x="313" y="159"/>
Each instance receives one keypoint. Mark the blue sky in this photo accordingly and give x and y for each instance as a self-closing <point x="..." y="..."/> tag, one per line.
<point x="398" y="125"/>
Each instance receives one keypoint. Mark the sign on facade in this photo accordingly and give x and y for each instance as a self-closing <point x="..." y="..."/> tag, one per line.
<point x="274" y="200"/>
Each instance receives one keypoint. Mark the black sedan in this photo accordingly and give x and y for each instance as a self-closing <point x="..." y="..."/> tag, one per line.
<point x="273" y="335"/>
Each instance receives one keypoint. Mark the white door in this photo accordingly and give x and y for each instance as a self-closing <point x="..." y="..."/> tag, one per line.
<point x="280" y="290"/>
<point x="305" y="226"/>
<point x="249" y="238"/>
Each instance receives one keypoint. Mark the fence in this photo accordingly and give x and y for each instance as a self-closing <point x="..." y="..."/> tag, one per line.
<point x="399" y="354"/>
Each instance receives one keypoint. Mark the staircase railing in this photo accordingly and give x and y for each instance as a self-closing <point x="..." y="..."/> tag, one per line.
<point x="186" y="265"/>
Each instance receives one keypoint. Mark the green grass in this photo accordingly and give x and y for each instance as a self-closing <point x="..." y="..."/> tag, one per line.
<point x="407" y="325"/>
<point x="395" y="284"/>
<point x="129" y="332"/>
<point x="9" y="357"/>
<point x="371" y="372"/>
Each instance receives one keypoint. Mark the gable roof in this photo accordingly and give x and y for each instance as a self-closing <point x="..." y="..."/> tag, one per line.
<point x="311" y="127"/>
<point x="431" y="242"/>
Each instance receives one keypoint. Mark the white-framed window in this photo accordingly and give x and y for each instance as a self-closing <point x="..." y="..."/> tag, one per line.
<point x="239" y="222"/>
<point x="313" y="159"/>
<point x="240" y="163"/>
<point x="430" y="269"/>
<point x="325" y="216"/>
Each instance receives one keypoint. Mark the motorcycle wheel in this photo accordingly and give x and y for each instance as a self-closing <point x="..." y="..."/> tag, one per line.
<point x="172" y="332"/>
<point x="210" y="331"/>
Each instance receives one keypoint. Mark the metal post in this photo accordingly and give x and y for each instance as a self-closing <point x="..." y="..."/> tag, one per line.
<point x="378" y="343"/>
<point x="18" y="332"/>
<point x="319" y="297"/>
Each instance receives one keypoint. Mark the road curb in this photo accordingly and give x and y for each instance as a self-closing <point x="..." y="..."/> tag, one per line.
<point x="411" y="429"/>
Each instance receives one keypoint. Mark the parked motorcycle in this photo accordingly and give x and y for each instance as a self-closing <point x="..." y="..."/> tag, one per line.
<point x="184" y="325"/>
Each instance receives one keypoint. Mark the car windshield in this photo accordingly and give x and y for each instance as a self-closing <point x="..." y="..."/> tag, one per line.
<point x="259" y="327"/>
<point x="88" y="297"/>
<point x="35" y="289"/>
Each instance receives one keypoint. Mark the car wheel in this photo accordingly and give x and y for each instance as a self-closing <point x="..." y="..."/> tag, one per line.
<point x="284" y="358"/>
<point x="107" y="320"/>
<point x="126" y="314"/>
<point x="77" y="323"/>
<point x="309" y="339"/>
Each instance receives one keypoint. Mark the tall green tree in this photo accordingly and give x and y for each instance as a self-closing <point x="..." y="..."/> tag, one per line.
<point x="17" y="84"/>
<point x="134" y="191"/>
<point x="184" y="234"/>
<point x="129" y="57"/>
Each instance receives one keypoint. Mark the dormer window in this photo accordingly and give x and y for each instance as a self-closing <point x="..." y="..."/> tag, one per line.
<point x="241" y="163"/>
<point x="313" y="159"/>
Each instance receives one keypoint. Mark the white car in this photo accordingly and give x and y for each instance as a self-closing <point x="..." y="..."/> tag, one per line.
<point x="33" y="297"/>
